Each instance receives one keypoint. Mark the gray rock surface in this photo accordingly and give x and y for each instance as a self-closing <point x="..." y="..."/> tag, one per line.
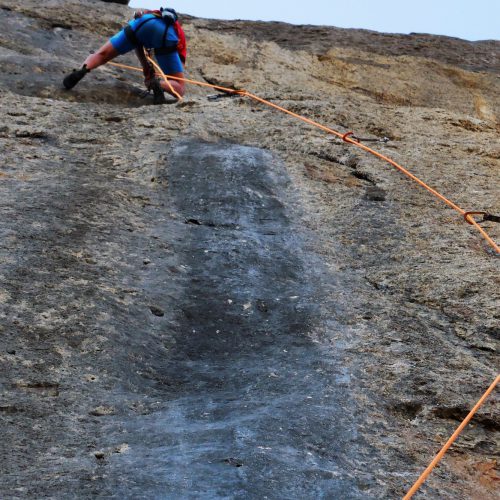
<point x="210" y="299"/>
<point x="122" y="2"/>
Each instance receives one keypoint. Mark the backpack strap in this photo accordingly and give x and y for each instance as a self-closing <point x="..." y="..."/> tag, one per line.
<point x="169" y="49"/>
<point x="165" y="33"/>
<point x="131" y="34"/>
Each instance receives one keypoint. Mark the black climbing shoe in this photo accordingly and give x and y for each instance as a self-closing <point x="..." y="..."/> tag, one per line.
<point x="73" y="78"/>
<point x="158" y="92"/>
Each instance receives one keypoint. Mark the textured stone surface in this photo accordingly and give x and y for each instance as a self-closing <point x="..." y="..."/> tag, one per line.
<point x="122" y="2"/>
<point x="160" y="334"/>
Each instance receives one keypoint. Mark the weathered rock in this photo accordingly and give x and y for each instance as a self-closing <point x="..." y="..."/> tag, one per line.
<point x="123" y="2"/>
<point x="321" y="319"/>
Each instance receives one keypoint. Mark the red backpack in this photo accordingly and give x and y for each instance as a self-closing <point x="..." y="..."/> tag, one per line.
<point x="171" y="17"/>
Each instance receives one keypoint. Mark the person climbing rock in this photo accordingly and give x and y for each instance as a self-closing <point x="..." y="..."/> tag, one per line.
<point x="158" y="31"/>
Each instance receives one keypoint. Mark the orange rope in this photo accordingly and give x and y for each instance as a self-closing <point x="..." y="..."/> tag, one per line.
<point x="179" y="79"/>
<point x="408" y="173"/>
<point x="468" y="216"/>
<point x="172" y="90"/>
<point x="344" y="137"/>
<point x="450" y="441"/>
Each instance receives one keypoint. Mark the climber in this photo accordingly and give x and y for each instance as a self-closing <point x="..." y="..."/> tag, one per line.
<point x="158" y="30"/>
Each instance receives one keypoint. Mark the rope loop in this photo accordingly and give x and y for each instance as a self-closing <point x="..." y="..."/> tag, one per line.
<point x="348" y="134"/>
<point x="468" y="216"/>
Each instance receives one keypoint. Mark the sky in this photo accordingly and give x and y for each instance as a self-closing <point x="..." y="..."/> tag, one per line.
<point x="467" y="19"/>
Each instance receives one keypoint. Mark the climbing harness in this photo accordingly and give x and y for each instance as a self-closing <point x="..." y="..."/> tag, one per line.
<point x="346" y="137"/>
<point x="160" y="71"/>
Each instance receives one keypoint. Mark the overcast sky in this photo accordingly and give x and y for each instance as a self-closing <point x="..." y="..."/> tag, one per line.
<point x="468" y="19"/>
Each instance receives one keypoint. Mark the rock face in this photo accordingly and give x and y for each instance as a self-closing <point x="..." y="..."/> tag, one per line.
<point x="122" y="2"/>
<point x="210" y="299"/>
